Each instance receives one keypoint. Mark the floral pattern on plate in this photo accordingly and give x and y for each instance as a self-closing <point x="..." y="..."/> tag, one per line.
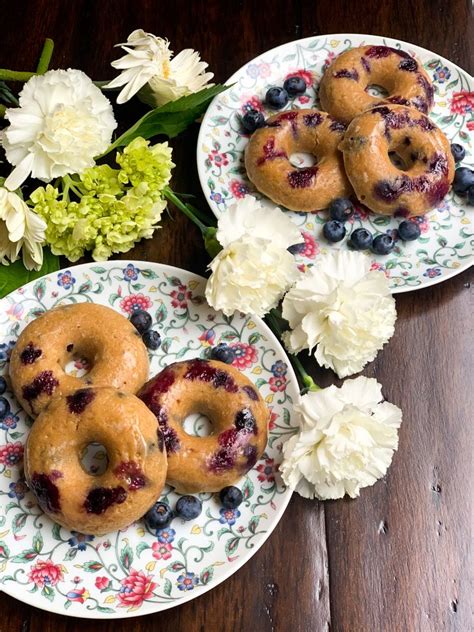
<point x="136" y="571"/>
<point x="445" y="247"/>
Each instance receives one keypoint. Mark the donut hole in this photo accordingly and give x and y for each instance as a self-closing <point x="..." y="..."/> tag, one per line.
<point x="402" y="156"/>
<point x="302" y="160"/>
<point x="94" y="459"/>
<point x="78" y="366"/>
<point x="197" y="425"/>
<point x="376" y="90"/>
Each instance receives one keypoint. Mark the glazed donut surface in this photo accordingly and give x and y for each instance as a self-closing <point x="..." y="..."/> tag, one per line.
<point x="110" y="343"/>
<point x="343" y="88"/>
<point x="423" y="148"/>
<point x="236" y="410"/>
<point x="136" y="470"/>
<point x="269" y="168"/>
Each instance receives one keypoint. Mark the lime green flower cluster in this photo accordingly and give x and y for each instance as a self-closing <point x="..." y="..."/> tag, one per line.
<point x="107" y="210"/>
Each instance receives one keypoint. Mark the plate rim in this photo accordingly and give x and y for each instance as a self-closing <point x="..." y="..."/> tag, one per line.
<point x="234" y="567"/>
<point x="200" y="163"/>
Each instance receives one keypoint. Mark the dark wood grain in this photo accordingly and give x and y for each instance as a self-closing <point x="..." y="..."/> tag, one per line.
<point x="398" y="557"/>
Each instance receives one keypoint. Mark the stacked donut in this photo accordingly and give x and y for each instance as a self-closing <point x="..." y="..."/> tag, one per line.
<point x="354" y="139"/>
<point x="142" y="434"/>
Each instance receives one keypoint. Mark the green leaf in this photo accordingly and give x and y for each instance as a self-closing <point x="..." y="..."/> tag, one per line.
<point x="92" y="566"/>
<point x="228" y="335"/>
<point x="19" y="522"/>
<point x="161" y="313"/>
<point x="176" y="567"/>
<point x="126" y="556"/>
<point x="141" y="547"/>
<point x="25" y="556"/>
<point x="67" y="604"/>
<point x="253" y="524"/>
<point x="206" y="574"/>
<point x="181" y="353"/>
<point x="247" y="489"/>
<point x="98" y="269"/>
<point x="15" y="275"/>
<point x="4" y="550"/>
<point x="260" y="382"/>
<point x="170" y="119"/>
<point x="167" y="587"/>
<point x="85" y="287"/>
<point x="149" y="274"/>
<point x="70" y="554"/>
<point x="48" y="592"/>
<point x="231" y="546"/>
<point x="57" y="531"/>
<point x="17" y="435"/>
<point x="104" y="609"/>
<point x="37" y="542"/>
<point x="6" y="95"/>
<point x="166" y="344"/>
<point x="255" y="337"/>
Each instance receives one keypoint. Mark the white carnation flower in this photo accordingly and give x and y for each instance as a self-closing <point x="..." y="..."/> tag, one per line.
<point x="346" y="440"/>
<point x="63" y="122"/>
<point x="20" y="229"/>
<point x="343" y="308"/>
<point x="149" y="67"/>
<point x="254" y="269"/>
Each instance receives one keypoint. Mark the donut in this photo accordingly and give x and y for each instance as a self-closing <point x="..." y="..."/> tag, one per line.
<point x="422" y="147"/>
<point x="267" y="160"/>
<point x="136" y="469"/>
<point x="110" y="343"/>
<point x="236" y="410"/>
<point x="343" y="88"/>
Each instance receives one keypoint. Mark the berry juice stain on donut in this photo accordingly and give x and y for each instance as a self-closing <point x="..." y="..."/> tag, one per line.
<point x="365" y="64"/>
<point x="169" y="435"/>
<point x="313" y="120"/>
<point x="251" y="392"/>
<point x="250" y="453"/>
<point x="302" y="178"/>
<point x="269" y="152"/>
<point x="245" y="421"/>
<point x="44" y="382"/>
<point x="78" y="401"/>
<point x="45" y="490"/>
<point x="132" y="473"/>
<point x="345" y="73"/>
<point x="408" y="65"/>
<point x="202" y="370"/>
<point x="337" y="126"/>
<point x="428" y="88"/>
<point x="161" y="440"/>
<point x="30" y="354"/>
<point x="99" y="499"/>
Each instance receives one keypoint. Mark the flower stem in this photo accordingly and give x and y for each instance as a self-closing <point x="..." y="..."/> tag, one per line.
<point x="273" y="319"/>
<point x="185" y="208"/>
<point x="15" y="75"/>
<point x="45" y="57"/>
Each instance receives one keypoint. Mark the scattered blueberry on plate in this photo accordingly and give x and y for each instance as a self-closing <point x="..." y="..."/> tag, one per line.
<point x="3" y="385"/>
<point x="151" y="339"/>
<point x="470" y="195"/>
<point x="223" y="353"/>
<point x="159" y="516"/>
<point x="361" y="239"/>
<point x="458" y="152"/>
<point x="463" y="179"/>
<point x="4" y="407"/>
<point x="383" y="244"/>
<point x="188" y="507"/>
<point x="409" y="231"/>
<point x="252" y="120"/>
<point x="276" y="98"/>
<point x="341" y="209"/>
<point x="295" y="86"/>
<point x="141" y="320"/>
<point x="231" y="497"/>
<point x="334" y="230"/>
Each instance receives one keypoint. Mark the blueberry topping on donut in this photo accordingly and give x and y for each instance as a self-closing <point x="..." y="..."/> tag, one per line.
<point x="438" y="191"/>
<point x="409" y="65"/>
<point x="337" y="126"/>
<point x="397" y="100"/>
<point x="439" y="164"/>
<point x="201" y="370"/>
<point x="245" y="421"/>
<point x="223" y="459"/>
<point x="345" y="73"/>
<point x="227" y="438"/>
<point x="313" y="120"/>
<point x="132" y="473"/>
<point x="30" y="354"/>
<point x="251" y="392"/>
<point x="70" y="347"/>
<point x="390" y="190"/>
<point x="78" y="401"/>
<point x="427" y="87"/>
<point x="365" y="64"/>
<point x="378" y="52"/>
<point x="269" y="152"/>
<point x="44" y="382"/>
<point x="46" y="491"/>
<point x="161" y="439"/>
<point x="224" y="380"/>
<point x="425" y="124"/>
<point x="161" y="383"/>
<point x="420" y="104"/>
<point x="302" y="178"/>
<point x="169" y="434"/>
<point x="407" y="141"/>
<point x="250" y="453"/>
<point x="99" y="499"/>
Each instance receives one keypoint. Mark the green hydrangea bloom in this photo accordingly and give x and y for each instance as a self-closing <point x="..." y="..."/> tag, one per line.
<point x="114" y="208"/>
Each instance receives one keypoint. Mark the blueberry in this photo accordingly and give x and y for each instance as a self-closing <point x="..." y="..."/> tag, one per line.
<point x="361" y="239"/>
<point x="231" y="497"/>
<point x="252" y="120"/>
<point x="295" y="86"/>
<point x="141" y="320"/>
<point x="159" y="516"/>
<point x="470" y="195"/>
<point x="223" y="353"/>
<point x="188" y="507"/>
<point x="4" y="407"/>
<point x="409" y="231"/>
<point x="458" y="152"/>
<point x="383" y="244"/>
<point x="334" y="230"/>
<point x="276" y="98"/>
<point x="341" y="209"/>
<point x="3" y="385"/>
<point x="463" y="179"/>
<point x="151" y="339"/>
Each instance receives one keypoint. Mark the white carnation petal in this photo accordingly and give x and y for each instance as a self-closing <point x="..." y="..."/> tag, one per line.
<point x="20" y="173"/>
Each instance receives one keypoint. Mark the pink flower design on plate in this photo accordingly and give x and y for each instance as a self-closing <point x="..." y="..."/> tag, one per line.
<point x="311" y="247"/>
<point x="462" y="102"/>
<point x="245" y="355"/>
<point x="11" y="453"/>
<point x="180" y="297"/>
<point x="238" y="188"/>
<point x="273" y="418"/>
<point x="250" y="102"/>
<point x="134" y="302"/>
<point x="102" y="582"/>
<point x="470" y="126"/>
<point x="45" y="573"/>
<point x="328" y="61"/>
<point x="266" y="471"/>
<point x="277" y="383"/>
<point x="264" y="69"/>
<point x="218" y="158"/>
<point x="304" y="98"/>
<point x="15" y="311"/>
<point x="77" y="594"/>
<point x="162" y="551"/>
<point x="207" y="338"/>
<point x="135" y="589"/>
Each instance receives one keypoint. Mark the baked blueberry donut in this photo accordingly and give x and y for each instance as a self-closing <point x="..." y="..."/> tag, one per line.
<point x="343" y="88"/>
<point x="424" y="152"/>
<point x="136" y="470"/>
<point x="267" y="160"/>
<point x="111" y="344"/>
<point x="236" y="410"/>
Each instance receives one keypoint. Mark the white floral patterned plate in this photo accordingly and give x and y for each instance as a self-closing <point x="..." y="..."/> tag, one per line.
<point x="135" y="571"/>
<point x="445" y="247"/>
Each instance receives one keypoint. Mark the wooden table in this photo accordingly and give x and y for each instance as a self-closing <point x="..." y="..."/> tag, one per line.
<point x="397" y="559"/>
